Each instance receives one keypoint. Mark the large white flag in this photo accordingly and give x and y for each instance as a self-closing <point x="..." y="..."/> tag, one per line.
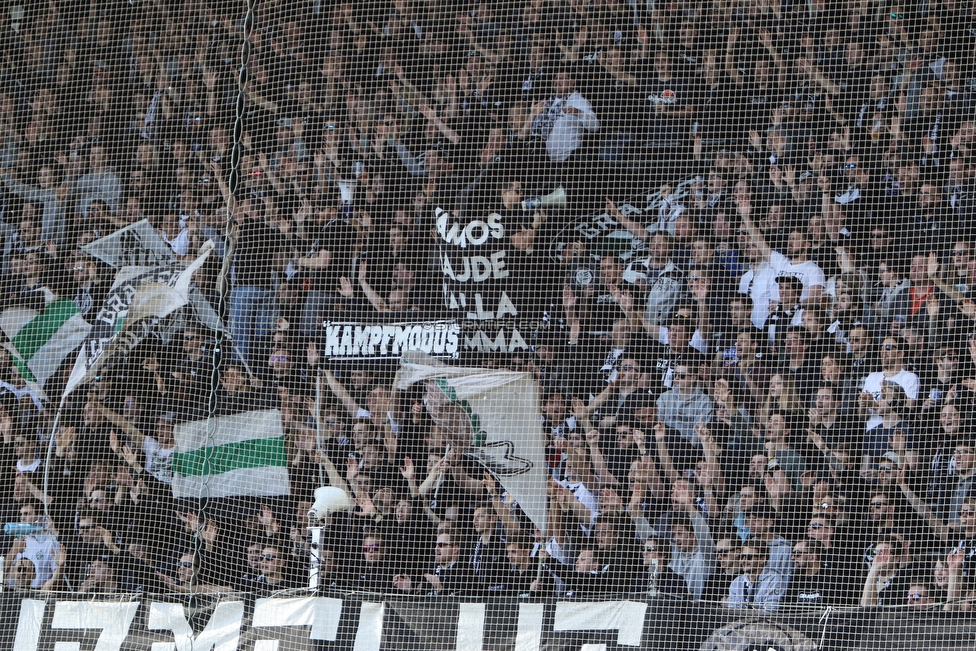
<point x="494" y="419"/>
<point x="139" y="245"/>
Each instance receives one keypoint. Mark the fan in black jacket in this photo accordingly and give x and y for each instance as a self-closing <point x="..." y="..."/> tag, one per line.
<point x="813" y="584"/>
<point x="487" y="551"/>
<point x="449" y="575"/>
<point x="657" y="578"/>
<point x="520" y="580"/>
<point x="374" y="573"/>
<point x="586" y="578"/>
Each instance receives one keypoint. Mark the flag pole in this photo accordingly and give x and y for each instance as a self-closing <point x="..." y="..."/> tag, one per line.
<point x="50" y="451"/>
<point x="237" y="351"/>
<point x="318" y="421"/>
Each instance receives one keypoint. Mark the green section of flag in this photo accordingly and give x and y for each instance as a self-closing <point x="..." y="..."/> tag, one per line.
<point x="40" y="330"/>
<point x="473" y="419"/>
<point x="218" y="459"/>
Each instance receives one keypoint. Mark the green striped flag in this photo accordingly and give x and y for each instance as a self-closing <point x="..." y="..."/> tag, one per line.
<point x="40" y="341"/>
<point x="241" y="454"/>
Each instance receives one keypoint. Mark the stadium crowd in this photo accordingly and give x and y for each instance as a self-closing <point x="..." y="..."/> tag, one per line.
<point x="766" y="401"/>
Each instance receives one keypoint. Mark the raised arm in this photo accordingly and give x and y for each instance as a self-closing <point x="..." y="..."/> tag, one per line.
<point x="600" y="399"/>
<point x="940" y="528"/>
<point x="703" y="535"/>
<point x="558" y="499"/>
<point x="130" y="457"/>
<point x="407" y="472"/>
<point x="782" y="74"/>
<point x="405" y="88"/>
<point x="582" y="414"/>
<point x="534" y="112"/>
<point x="634" y="228"/>
<point x="271" y="176"/>
<point x="603" y="474"/>
<point x="581" y="463"/>
<point x="881" y="563"/>
<point x="340" y="392"/>
<point x="335" y="479"/>
<point x="744" y="208"/>
<point x="509" y="523"/>
<point x="60" y="559"/>
<point x="837" y="461"/>
<point x="572" y="318"/>
<point x="573" y="506"/>
<point x="663" y="454"/>
<point x="819" y="77"/>
<point x="699" y="293"/>
<point x="435" y="472"/>
<point x="122" y="423"/>
<point x="933" y="273"/>
<point x="844" y="259"/>
<point x="730" y="68"/>
<point x="374" y="299"/>
<point x="954" y="589"/>
<point x="258" y="99"/>
<point x="229" y="199"/>
<point x="647" y="469"/>
<point x="710" y="477"/>
<point x="442" y="126"/>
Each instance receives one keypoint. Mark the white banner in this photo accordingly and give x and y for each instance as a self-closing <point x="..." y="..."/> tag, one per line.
<point x="494" y="418"/>
<point x="137" y="245"/>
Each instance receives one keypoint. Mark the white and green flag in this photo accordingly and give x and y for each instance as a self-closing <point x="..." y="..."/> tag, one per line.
<point x="493" y="418"/>
<point x="240" y="454"/>
<point x="40" y="340"/>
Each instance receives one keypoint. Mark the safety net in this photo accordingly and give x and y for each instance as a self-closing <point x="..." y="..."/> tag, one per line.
<point x="500" y="325"/>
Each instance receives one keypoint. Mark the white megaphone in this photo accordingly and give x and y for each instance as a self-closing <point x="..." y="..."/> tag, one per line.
<point x="347" y="195"/>
<point x="555" y="199"/>
<point x="329" y="500"/>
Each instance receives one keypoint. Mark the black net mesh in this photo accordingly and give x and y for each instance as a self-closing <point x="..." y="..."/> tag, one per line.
<point x="515" y="324"/>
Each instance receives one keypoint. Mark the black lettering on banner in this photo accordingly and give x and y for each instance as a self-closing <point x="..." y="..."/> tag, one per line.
<point x="502" y="340"/>
<point x="298" y="621"/>
<point x="115" y="309"/>
<point x="511" y="335"/>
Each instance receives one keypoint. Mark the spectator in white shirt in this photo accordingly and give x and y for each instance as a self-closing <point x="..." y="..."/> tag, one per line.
<point x="562" y="119"/>
<point x="795" y="263"/>
<point x="893" y="371"/>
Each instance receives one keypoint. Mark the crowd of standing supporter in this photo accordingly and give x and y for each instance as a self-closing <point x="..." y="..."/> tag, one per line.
<point x="766" y="400"/>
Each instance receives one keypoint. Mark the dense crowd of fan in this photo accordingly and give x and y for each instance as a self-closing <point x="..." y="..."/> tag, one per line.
<point x="766" y="401"/>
